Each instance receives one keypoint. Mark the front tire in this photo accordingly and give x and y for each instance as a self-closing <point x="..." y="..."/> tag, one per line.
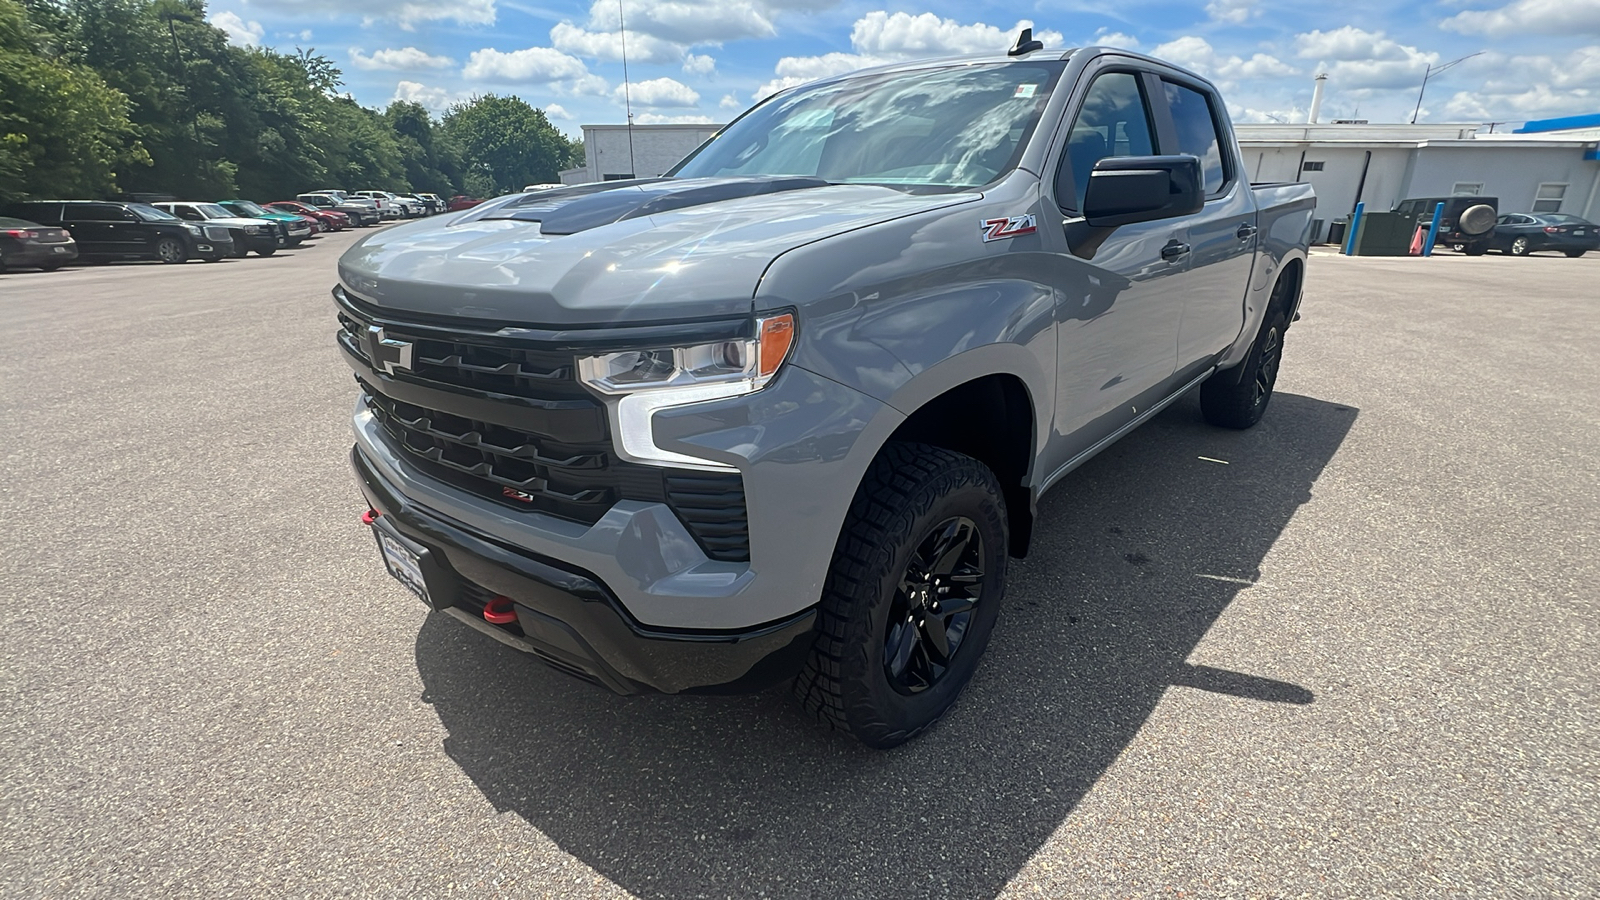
<point x="1519" y="247"/>
<point x="267" y="252"/>
<point x="1239" y="402"/>
<point x="1574" y="254"/>
<point x="911" y="596"/>
<point x="172" y="251"/>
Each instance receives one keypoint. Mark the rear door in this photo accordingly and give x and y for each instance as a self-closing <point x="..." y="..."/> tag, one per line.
<point x="103" y="228"/>
<point x="1222" y="237"/>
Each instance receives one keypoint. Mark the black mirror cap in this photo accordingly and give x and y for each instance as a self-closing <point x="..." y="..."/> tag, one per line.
<point x="1128" y="189"/>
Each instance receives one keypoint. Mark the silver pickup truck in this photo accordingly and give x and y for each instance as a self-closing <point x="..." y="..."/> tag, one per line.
<point x="784" y="414"/>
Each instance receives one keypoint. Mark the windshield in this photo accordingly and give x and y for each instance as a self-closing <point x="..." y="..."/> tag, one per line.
<point x="213" y="211"/>
<point x="1558" y="219"/>
<point x="957" y="127"/>
<point x="248" y="208"/>
<point x="150" y="213"/>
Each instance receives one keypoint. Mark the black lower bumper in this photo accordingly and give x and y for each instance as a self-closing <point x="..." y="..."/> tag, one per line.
<point x="570" y="620"/>
<point x="40" y="255"/>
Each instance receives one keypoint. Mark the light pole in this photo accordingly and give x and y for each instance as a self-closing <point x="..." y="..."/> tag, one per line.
<point x="1429" y="74"/>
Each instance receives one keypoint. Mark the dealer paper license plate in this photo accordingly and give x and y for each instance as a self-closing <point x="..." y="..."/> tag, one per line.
<point x="404" y="565"/>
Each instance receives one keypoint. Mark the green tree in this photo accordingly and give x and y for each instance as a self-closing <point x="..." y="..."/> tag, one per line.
<point x="507" y="143"/>
<point x="63" y="131"/>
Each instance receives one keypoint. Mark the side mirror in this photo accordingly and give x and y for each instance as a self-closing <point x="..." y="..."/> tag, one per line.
<point x="1128" y="189"/>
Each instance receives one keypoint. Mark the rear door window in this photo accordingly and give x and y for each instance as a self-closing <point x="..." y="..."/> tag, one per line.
<point x="1195" y="118"/>
<point x="1113" y="121"/>
<point x="95" y="212"/>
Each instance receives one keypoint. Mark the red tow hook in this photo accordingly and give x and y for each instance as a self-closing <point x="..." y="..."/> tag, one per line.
<point x="500" y="611"/>
<point x="368" y="516"/>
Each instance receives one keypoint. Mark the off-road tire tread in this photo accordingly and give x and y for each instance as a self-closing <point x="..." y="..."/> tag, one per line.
<point x="902" y="484"/>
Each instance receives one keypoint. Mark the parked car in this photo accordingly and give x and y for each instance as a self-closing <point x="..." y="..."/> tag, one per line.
<point x="809" y="458"/>
<point x="387" y="205"/>
<point x="294" y="228"/>
<point x="1522" y="233"/>
<point x="362" y="212"/>
<point x="416" y="207"/>
<point x="435" y="204"/>
<point x="330" y="219"/>
<point x="261" y="235"/>
<point x="462" y="201"/>
<point x="1467" y="225"/>
<point x="30" y="245"/>
<point x="108" y="229"/>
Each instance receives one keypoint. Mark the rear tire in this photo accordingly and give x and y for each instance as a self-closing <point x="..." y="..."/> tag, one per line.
<point x="51" y="267"/>
<point x="171" y="251"/>
<point x="1237" y="399"/>
<point x="911" y="596"/>
<point x="1574" y="254"/>
<point x="1476" y="249"/>
<point x="1519" y="247"/>
<point x="267" y="252"/>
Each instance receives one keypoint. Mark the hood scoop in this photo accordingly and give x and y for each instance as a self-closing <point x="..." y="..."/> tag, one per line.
<point x="562" y="211"/>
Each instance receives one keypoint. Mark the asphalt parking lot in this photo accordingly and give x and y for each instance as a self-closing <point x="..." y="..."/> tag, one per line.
<point x="1351" y="653"/>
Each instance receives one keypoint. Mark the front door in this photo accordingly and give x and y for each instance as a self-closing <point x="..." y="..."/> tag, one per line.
<point x="1120" y="295"/>
<point x="1222" y="236"/>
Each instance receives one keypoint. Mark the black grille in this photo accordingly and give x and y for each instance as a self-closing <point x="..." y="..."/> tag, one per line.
<point x="712" y="505"/>
<point x="516" y="427"/>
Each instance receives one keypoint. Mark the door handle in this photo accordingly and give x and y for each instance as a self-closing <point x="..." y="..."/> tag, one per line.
<point x="1174" y="250"/>
<point x="1246" y="231"/>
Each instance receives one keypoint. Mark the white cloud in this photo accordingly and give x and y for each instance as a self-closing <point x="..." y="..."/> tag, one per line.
<point x="658" y="119"/>
<point x="535" y="65"/>
<point x="1105" y="37"/>
<point x="904" y="35"/>
<point x="687" y="22"/>
<point x="660" y="92"/>
<point x="1535" y="86"/>
<point x="730" y="102"/>
<point x="1559" y="17"/>
<point x="245" y="34"/>
<point x="1358" y="59"/>
<point x="1233" y="12"/>
<point x="408" y="15"/>
<point x="405" y="59"/>
<point x="1227" y="71"/>
<point x="694" y="64"/>
<point x="557" y="111"/>
<point x="880" y="37"/>
<point x="607" y="45"/>
<point x="435" y="99"/>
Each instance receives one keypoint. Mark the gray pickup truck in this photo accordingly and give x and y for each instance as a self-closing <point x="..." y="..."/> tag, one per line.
<point x="784" y="414"/>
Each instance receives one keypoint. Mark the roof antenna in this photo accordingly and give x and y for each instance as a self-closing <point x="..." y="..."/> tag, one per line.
<point x="627" y="92"/>
<point x="1025" y="44"/>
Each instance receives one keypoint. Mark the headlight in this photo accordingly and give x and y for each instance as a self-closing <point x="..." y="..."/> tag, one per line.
<point x="253" y="229"/>
<point x="194" y="230"/>
<point x="640" y="382"/>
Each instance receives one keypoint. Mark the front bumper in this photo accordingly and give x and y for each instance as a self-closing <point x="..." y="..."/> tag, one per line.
<point x="209" y="249"/>
<point x="259" y="242"/>
<point x="569" y="619"/>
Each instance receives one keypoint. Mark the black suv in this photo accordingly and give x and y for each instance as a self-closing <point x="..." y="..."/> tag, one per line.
<point x="112" y="229"/>
<point x="1467" y="225"/>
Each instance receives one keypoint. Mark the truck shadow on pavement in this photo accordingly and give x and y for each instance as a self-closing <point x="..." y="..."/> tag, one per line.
<point x="1136" y="555"/>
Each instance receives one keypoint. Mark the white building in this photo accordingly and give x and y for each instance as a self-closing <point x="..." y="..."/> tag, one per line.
<point x="616" y="152"/>
<point x="1533" y="170"/>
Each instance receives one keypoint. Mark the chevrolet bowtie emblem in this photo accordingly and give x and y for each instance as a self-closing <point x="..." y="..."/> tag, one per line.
<point x="387" y="354"/>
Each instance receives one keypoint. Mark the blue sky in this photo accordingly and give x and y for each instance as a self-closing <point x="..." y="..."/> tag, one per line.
<point x="706" y="60"/>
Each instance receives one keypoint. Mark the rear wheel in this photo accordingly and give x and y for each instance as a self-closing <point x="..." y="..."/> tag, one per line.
<point x="51" y="267"/>
<point x="911" y="596"/>
<point x="1519" y="247"/>
<point x="1574" y="254"/>
<point x="266" y="252"/>
<point x="1476" y="249"/>
<point x="171" y="250"/>
<point x="1238" y="399"/>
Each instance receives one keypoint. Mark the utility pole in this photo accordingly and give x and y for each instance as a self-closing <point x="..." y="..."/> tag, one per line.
<point x="1432" y="70"/>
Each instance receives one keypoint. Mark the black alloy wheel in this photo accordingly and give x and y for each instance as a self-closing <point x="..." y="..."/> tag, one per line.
<point x="934" y="605"/>
<point x="1266" y="374"/>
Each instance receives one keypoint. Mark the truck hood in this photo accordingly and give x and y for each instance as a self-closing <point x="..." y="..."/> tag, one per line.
<point x="635" y="252"/>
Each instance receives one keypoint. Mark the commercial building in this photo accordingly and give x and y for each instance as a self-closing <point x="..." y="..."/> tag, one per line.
<point x="617" y="152"/>
<point x="1551" y="166"/>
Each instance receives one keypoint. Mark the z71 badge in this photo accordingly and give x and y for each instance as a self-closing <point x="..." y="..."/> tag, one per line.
<point x="1000" y="229"/>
